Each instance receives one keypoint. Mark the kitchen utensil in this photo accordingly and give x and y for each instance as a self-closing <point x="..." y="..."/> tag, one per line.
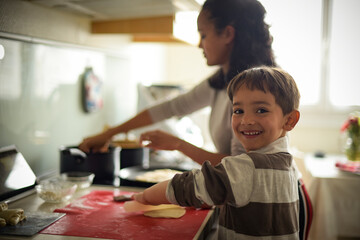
<point x="128" y="176"/>
<point x="105" y="166"/>
<point x="135" y="206"/>
<point x="55" y="190"/>
<point x="81" y="179"/>
<point x="123" y="198"/>
<point x="35" y="222"/>
<point x="132" y="153"/>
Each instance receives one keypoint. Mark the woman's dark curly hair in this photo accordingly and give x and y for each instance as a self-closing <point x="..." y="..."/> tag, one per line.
<point x="252" y="43"/>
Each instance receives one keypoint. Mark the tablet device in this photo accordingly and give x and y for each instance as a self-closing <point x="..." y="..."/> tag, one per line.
<point x="16" y="176"/>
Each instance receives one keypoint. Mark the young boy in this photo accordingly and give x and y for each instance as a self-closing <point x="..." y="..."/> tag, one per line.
<point x="257" y="191"/>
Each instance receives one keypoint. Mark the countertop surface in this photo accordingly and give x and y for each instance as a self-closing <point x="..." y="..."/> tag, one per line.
<point x="33" y="203"/>
<point x="335" y="199"/>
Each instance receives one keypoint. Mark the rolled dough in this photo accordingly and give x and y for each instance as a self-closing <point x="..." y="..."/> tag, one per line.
<point x="166" y="213"/>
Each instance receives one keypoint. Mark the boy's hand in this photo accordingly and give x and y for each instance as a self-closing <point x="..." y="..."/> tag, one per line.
<point x="154" y="195"/>
<point x="139" y="197"/>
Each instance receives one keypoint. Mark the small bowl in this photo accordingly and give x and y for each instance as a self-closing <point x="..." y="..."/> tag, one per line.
<point x="55" y="190"/>
<point x="81" y="179"/>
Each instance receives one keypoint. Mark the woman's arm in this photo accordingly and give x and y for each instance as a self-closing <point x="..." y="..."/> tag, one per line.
<point x="164" y="141"/>
<point x="181" y="105"/>
<point x="200" y="155"/>
<point x="101" y="141"/>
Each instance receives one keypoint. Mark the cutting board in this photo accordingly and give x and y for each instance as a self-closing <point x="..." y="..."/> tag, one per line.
<point x="33" y="224"/>
<point x="97" y="215"/>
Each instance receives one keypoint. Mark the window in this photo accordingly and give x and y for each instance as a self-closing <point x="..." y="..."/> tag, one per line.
<point x="317" y="42"/>
<point x="344" y="52"/>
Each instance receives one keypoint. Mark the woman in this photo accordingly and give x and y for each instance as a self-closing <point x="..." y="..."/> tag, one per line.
<point x="235" y="37"/>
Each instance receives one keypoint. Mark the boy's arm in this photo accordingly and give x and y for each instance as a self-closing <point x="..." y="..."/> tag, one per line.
<point x="154" y="195"/>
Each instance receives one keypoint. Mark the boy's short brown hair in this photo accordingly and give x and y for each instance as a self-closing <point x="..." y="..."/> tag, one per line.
<point x="275" y="80"/>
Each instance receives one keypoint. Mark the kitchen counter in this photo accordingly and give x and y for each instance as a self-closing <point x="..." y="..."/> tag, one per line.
<point x="33" y="203"/>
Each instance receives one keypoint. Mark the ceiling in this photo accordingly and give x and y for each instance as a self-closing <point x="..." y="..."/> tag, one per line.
<point x="121" y="9"/>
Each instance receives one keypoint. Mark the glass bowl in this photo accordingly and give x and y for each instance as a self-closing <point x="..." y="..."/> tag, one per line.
<point x="55" y="190"/>
<point x="81" y="179"/>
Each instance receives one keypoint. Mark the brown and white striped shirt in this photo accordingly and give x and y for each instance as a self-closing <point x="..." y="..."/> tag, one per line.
<point x="257" y="193"/>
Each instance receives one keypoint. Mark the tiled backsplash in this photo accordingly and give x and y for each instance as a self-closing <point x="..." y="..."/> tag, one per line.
<point x="40" y="98"/>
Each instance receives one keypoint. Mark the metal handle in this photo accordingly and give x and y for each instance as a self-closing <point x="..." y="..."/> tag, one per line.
<point x="77" y="152"/>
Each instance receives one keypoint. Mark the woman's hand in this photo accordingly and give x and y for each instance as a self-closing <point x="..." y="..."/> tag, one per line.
<point x="97" y="143"/>
<point x="160" y="140"/>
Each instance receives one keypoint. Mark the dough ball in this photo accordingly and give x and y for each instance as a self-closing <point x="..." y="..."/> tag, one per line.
<point x="166" y="213"/>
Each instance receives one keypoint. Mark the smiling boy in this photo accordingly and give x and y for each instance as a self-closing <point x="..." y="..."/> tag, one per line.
<point x="255" y="191"/>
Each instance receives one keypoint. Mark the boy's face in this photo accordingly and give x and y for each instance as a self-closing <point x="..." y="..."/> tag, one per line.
<point x="257" y="120"/>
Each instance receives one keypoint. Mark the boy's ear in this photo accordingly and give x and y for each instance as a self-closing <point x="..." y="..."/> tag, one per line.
<point x="291" y="120"/>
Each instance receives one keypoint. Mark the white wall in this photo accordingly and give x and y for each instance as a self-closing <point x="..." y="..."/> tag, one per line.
<point x="46" y="52"/>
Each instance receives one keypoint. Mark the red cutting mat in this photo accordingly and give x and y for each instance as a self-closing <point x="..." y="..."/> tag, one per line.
<point x="97" y="215"/>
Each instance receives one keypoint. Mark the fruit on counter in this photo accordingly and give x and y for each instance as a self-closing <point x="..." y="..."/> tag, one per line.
<point x="10" y="216"/>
